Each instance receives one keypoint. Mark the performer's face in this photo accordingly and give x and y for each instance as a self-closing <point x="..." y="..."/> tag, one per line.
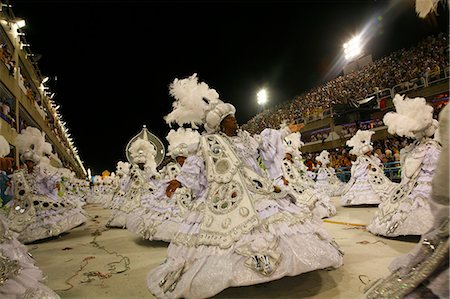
<point x="229" y="125"/>
<point x="180" y="160"/>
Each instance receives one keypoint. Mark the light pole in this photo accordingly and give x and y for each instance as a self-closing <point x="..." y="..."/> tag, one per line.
<point x="261" y="97"/>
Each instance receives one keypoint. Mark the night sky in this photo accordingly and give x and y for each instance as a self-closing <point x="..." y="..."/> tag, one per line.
<point x="114" y="60"/>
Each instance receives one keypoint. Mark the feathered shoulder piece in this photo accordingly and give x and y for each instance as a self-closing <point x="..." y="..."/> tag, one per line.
<point x="413" y="118"/>
<point x="360" y="142"/>
<point x="192" y="101"/>
<point x="182" y="142"/>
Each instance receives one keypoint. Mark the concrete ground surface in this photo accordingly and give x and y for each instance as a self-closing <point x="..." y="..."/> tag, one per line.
<point x="92" y="261"/>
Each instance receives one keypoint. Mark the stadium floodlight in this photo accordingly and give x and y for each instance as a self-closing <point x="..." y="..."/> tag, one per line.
<point x="353" y="48"/>
<point x="45" y="79"/>
<point x="262" y="97"/>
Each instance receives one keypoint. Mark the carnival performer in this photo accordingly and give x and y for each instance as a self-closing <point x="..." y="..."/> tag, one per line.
<point x="162" y="215"/>
<point x="367" y="173"/>
<point x="326" y="181"/>
<point x="406" y="209"/>
<point x="37" y="212"/>
<point x="123" y="177"/>
<point x="423" y="272"/>
<point x="19" y="277"/>
<point x="142" y="182"/>
<point x="297" y="183"/>
<point x="248" y="232"/>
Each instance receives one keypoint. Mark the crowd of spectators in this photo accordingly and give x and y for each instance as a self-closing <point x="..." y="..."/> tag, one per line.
<point x="347" y="130"/>
<point x="413" y="66"/>
<point x="7" y="58"/>
<point x="387" y="150"/>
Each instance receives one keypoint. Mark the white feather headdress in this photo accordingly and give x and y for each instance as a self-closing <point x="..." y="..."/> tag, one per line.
<point x="413" y="118"/>
<point x="142" y="151"/>
<point x="123" y="168"/>
<point x="196" y="103"/>
<point x="182" y="142"/>
<point x="360" y="142"/>
<point x="192" y="101"/>
<point x="30" y="144"/>
<point x="324" y="158"/>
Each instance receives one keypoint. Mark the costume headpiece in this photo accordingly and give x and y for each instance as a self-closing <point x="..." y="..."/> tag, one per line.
<point x="195" y="103"/>
<point x="413" y="118"/>
<point x="360" y="142"/>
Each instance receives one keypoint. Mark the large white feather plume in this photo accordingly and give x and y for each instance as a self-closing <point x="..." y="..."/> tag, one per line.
<point x="180" y="138"/>
<point x="30" y="138"/>
<point x="192" y="101"/>
<point x="412" y="116"/>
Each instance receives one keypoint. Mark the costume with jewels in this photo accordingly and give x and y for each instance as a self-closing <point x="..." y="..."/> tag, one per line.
<point x="241" y="231"/>
<point x="123" y="178"/>
<point x="19" y="276"/>
<point x="142" y="182"/>
<point x="406" y="209"/>
<point x="367" y="173"/>
<point x="423" y="272"/>
<point x="37" y="212"/>
<point x="161" y="218"/>
<point x="326" y="180"/>
<point x="319" y="203"/>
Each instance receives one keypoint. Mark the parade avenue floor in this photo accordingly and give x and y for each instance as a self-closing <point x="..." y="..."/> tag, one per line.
<point x="92" y="261"/>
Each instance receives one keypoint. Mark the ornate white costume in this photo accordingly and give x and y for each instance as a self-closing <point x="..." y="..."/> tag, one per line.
<point x="406" y="210"/>
<point x="142" y="182"/>
<point x="423" y="272"/>
<point x="326" y="181"/>
<point x="367" y="173"/>
<point x="37" y="212"/>
<point x="241" y="232"/>
<point x="123" y="177"/>
<point x="19" y="277"/>
<point x="162" y="215"/>
<point x="319" y="203"/>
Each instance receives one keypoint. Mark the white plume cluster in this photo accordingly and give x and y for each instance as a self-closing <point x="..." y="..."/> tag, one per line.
<point x="122" y="168"/>
<point x="324" y="158"/>
<point x="182" y="141"/>
<point x="413" y="117"/>
<point x="192" y="101"/>
<point x="360" y="142"/>
<point x="30" y="138"/>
